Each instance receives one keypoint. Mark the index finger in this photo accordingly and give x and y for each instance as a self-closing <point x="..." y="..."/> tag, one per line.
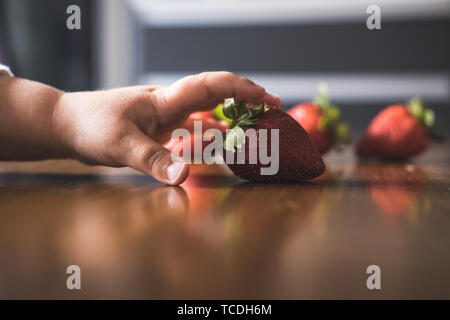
<point x="205" y="90"/>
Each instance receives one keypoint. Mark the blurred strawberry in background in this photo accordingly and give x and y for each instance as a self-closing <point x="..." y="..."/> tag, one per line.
<point x="399" y="132"/>
<point x="321" y="120"/>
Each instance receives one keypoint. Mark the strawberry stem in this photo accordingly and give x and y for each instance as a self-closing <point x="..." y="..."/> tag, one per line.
<point x="240" y="115"/>
<point x="425" y="116"/>
<point x="330" y="120"/>
<point x="322" y="100"/>
<point x="421" y="112"/>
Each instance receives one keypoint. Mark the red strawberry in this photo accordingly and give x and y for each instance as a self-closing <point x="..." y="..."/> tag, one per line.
<point x="321" y="120"/>
<point x="397" y="132"/>
<point x="299" y="160"/>
<point x="309" y="116"/>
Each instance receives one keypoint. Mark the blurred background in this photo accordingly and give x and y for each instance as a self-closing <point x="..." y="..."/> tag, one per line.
<point x="287" y="46"/>
<point x="138" y="239"/>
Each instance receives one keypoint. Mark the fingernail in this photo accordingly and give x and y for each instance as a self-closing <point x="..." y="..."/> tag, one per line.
<point x="175" y="169"/>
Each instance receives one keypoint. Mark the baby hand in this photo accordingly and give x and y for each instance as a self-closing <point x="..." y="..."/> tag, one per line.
<point x="127" y="126"/>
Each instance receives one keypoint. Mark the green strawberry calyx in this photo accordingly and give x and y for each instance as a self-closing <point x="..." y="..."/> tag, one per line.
<point x="421" y="112"/>
<point x="238" y="113"/>
<point x="330" y="120"/>
<point x="425" y="116"/>
<point x="218" y="114"/>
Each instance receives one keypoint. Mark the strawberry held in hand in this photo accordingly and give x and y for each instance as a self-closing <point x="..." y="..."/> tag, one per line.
<point x="321" y="120"/>
<point x="397" y="132"/>
<point x="290" y="146"/>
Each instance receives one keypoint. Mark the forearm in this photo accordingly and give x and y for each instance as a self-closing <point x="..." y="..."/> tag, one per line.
<point x="26" y="120"/>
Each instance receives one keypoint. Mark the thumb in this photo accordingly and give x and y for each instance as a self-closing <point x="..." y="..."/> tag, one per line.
<point x="145" y="155"/>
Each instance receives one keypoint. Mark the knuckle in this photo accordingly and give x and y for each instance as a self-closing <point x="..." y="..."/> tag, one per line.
<point x="118" y="144"/>
<point x="243" y="79"/>
<point x="138" y="156"/>
<point x="260" y="90"/>
<point x="143" y="155"/>
<point x="250" y="82"/>
<point x="205" y="80"/>
<point x="118" y="137"/>
<point x="203" y="76"/>
<point x="141" y="98"/>
<point x="153" y="157"/>
<point x="228" y="75"/>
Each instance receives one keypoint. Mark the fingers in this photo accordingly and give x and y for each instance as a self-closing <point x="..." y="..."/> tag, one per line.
<point x="206" y="90"/>
<point x="138" y="151"/>
<point x="271" y="99"/>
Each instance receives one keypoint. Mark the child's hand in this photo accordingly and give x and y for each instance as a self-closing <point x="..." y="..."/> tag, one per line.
<point x="126" y="126"/>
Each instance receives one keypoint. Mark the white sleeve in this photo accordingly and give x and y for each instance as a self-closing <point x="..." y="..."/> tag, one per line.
<point x="5" y="70"/>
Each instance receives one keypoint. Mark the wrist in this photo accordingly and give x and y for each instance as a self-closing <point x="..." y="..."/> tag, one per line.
<point x="27" y="130"/>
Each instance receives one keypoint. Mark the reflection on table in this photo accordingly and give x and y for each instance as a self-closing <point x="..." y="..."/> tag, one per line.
<point x="218" y="237"/>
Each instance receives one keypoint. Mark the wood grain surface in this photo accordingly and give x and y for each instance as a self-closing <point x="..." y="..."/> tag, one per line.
<point x="217" y="236"/>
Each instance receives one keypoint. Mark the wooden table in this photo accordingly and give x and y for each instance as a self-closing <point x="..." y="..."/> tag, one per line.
<point x="218" y="237"/>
